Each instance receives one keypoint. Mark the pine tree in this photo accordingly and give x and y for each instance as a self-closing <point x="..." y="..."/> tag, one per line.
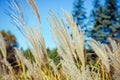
<point x="106" y="23"/>
<point x="97" y="17"/>
<point x="79" y="14"/>
<point x="96" y="8"/>
<point x="113" y="13"/>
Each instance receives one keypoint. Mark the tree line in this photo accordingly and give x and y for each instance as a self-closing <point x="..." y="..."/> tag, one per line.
<point x="104" y="19"/>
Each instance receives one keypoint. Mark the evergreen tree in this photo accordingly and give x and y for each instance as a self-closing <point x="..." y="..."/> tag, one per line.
<point x="113" y="13"/>
<point x="106" y="23"/>
<point x="79" y="14"/>
<point x="96" y="17"/>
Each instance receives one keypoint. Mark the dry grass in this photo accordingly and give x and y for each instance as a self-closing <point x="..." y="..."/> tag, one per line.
<point x="70" y="49"/>
<point x="34" y="8"/>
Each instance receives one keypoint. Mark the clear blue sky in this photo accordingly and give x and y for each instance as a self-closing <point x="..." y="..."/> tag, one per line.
<point x="43" y="6"/>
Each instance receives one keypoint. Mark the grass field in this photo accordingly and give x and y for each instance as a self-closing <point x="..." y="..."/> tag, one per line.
<point x="73" y="58"/>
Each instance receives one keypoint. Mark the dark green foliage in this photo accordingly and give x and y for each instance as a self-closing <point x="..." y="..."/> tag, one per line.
<point x="79" y="14"/>
<point x="80" y="17"/>
<point x="105" y="21"/>
<point x="54" y="56"/>
<point x="28" y="55"/>
<point x="113" y="20"/>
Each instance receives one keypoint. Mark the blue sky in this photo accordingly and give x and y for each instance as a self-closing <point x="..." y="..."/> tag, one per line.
<point x="43" y="7"/>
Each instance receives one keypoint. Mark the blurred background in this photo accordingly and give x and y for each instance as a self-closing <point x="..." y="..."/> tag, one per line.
<point x="98" y="19"/>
